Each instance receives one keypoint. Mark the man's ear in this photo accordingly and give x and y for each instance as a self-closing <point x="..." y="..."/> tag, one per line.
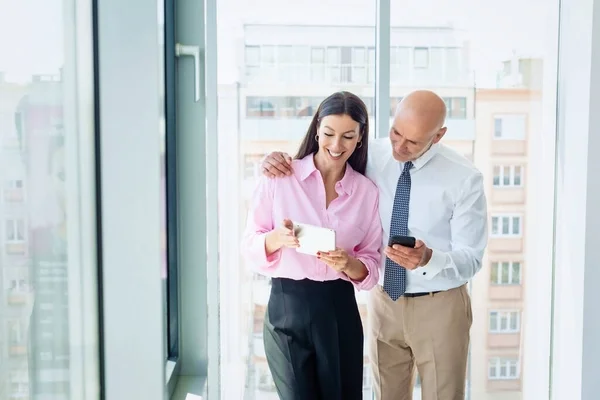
<point x="440" y="134"/>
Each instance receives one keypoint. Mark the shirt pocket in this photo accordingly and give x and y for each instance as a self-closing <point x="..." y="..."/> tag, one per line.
<point x="348" y="235"/>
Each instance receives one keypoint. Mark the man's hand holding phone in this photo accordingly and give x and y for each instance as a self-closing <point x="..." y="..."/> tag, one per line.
<point x="399" y="250"/>
<point x="282" y="236"/>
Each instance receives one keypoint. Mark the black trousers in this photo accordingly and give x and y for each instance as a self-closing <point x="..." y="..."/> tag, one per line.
<point x="313" y="338"/>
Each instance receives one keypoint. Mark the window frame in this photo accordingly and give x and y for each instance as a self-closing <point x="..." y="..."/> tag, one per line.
<point x="511" y="217"/>
<point x="499" y="265"/>
<point x="498" y="363"/>
<point x="499" y="315"/>
<point x="512" y="175"/>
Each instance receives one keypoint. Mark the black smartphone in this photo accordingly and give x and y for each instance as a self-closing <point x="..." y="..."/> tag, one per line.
<point x="406" y="241"/>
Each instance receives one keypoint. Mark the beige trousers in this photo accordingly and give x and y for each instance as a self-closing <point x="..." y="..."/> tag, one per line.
<point x="430" y="333"/>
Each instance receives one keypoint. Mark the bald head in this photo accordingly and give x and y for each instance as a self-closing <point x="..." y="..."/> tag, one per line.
<point x="418" y="124"/>
<point x="425" y="107"/>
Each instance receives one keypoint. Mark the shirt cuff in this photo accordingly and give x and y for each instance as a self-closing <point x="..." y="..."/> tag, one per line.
<point x="262" y="261"/>
<point x="366" y="284"/>
<point x="436" y="263"/>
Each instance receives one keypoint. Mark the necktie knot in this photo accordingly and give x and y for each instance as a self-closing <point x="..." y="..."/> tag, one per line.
<point x="407" y="166"/>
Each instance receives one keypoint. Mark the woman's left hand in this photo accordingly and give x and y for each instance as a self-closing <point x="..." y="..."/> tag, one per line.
<point x="337" y="259"/>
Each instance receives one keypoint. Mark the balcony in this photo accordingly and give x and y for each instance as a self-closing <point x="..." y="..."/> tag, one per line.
<point x="294" y="129"/>
<point x="14" y="195"/>
<point x="504" y="340"/>
<point x="499" y="244"/>
<point x="506" y="147"/>
<point x="17" y="298"/>
<point x="508" y="195"/>
<point x="15" y="248"/>
<point x="16" y="349"/>
<point x="506" y="292"/>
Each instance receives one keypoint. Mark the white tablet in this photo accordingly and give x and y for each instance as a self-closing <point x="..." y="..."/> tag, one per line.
<point x="314" y="238"/>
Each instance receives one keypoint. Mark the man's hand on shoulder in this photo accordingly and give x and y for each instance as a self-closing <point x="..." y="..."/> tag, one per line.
<point x="276" y="164"/>
<point x="409" y="258"/>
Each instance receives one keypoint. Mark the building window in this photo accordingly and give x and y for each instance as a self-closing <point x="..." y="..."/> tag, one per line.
<point x="505" y="273"/>
<point x="506" y="225"/>
<point x="251" y="165"/>
<point x="503" y="368"/>
<point x="456" y="107"/>
<point x="508" y="175"/>
<point x="13" y="184"/>
<point x="15" y="230"/>
<point x="504" y="321"/>
<point x="421" y="57"/>
<point x="15" y="332"/>
<point x="510" y="127"/>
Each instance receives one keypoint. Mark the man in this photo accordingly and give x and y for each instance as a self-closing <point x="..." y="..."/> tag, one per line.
<point x="420" y="313"/>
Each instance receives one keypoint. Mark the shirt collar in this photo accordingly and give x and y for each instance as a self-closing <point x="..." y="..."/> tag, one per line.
<point x="424" y="159"/>
<point x="306" y="167"/>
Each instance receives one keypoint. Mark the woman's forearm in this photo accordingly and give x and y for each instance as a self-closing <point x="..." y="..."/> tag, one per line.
<point x="271" y="245"/>
<point x="357" y="271"/>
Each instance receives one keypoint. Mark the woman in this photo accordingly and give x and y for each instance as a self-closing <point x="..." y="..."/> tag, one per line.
<point x="313" y="333"/>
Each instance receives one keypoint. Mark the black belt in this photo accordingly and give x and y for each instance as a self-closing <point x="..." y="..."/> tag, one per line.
<point x="420" y="294"/>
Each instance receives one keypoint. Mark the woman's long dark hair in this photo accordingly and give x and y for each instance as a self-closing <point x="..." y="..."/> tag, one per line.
<point x="340" y="103"/>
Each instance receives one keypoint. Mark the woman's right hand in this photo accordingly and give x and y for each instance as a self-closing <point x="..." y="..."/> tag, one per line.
<point x="282" y="236"/>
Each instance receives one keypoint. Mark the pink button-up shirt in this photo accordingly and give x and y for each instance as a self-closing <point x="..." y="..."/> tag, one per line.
<point x="354" y="215"/>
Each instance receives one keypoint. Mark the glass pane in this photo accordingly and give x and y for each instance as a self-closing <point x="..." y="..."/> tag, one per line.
<point x="506" y="176"/>
<point x="41" y="352"/>
<point x="494" y="273"/>
<point x="505" y="272"/>
<point x="496" y="175"/>
<point x="517" y="177"/>
<point x="516" y="273"/>
<point x="505" y="225"/>
<point x="273" y="116"/>
<point x="482" y="67"/>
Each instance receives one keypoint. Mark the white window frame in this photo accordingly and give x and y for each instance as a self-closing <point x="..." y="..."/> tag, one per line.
<point x="497" y="363"/>
<point x="511" y="176"/>
<point x="508" y="316"/>
<point x="499" y="265"/>
<point x="420" y="52"/>
<point x="15" y="229"/>
<point x="502" y="136"/>
<point x="501" y="218"/>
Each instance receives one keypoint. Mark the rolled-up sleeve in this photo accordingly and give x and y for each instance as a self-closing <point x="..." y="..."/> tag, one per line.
<point x="368" y="250"/>
<point x="259" y="223"/>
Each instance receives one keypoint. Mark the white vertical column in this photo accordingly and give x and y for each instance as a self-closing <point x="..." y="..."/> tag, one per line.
<point x="129" y="101"/>
<point x="382" y="68"/>
<point x="576" y="329"/>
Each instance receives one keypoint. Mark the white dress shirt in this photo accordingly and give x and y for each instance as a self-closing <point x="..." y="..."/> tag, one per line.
<point x="447" y="211"/>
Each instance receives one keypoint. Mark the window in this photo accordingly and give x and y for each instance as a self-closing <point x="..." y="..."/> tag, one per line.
<point x="503" y="368"/>
<point x="456" y="107"/>
<point x="47" y="111"/>
<point x="421" y="57"/>
<point x="512" y="127"/>
<point x="458" y="60"/>
<point x="508" y="175"/>
<point x="505" y="273"/>
<point x="504" y="322"/>
<point x="13" y="184"/>
<point x="15" y="332"/>
<point x="506" y="225"/>
<point x="252" y="56"/>
<point x="15" y="230"/>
